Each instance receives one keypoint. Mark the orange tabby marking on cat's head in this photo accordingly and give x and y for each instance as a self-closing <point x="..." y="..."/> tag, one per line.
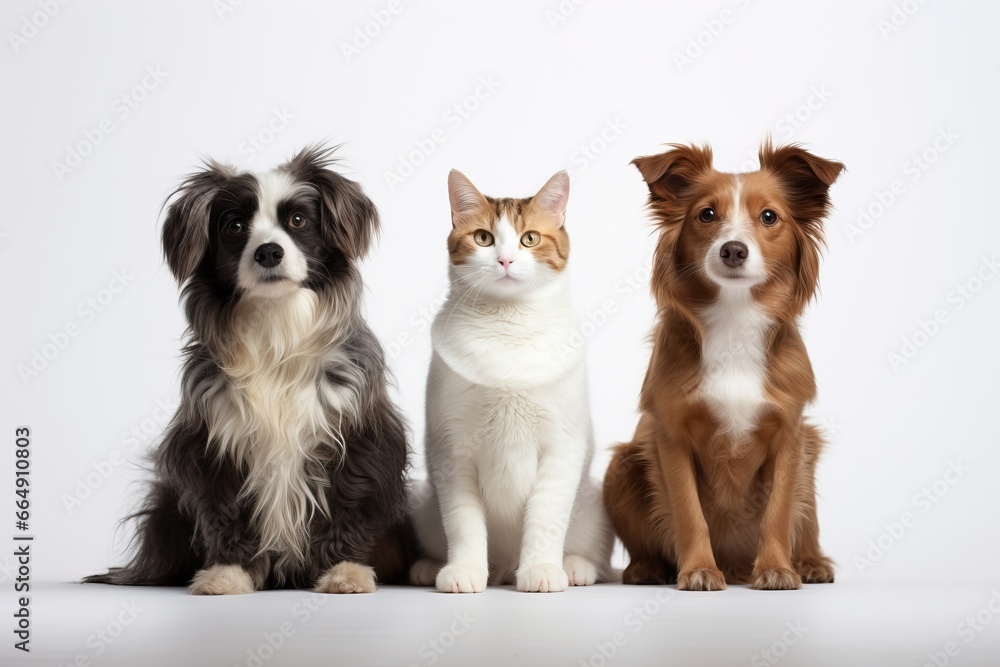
<point x="472" y="211"/>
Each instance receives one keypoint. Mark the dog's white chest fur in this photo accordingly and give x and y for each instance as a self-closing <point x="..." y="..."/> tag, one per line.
<point x="275" y="412"/>
<point x="734" y="360"/>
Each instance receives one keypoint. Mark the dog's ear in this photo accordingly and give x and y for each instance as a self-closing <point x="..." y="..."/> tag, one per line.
<point x="350" y="219"/>
<point x="669" y="177"/>
<point x="806" y="178"/>
<point x="670" y="174"/>
<point x="186" y="227"/>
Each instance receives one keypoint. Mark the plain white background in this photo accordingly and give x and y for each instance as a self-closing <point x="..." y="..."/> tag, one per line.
<point x="904" y="93"/>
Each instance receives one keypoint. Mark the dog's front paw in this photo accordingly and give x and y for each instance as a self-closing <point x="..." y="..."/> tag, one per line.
<point x="222" y="580"/>
<point x="702" y="579"/>
<point x="347" y="577"/>
<point x="461" y="579"/>
<point x="775" y="579"/>
<point x="818" y="571"/>
<point x="542" y="578"/>
<point x="579" y="570"/>
<point x="424" y="572"/>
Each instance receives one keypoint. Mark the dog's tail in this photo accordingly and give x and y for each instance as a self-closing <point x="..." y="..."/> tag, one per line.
<point x="395" y="552"/>
<point x="164" y="553"/>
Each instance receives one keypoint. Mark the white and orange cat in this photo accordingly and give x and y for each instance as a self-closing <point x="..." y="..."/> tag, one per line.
<point x="509" y="438"/>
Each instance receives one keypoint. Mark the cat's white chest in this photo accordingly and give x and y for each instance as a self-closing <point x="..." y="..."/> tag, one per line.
<point x="506" y="443"/>
<point x="515" y="350"/>
<point x="734" y="361"/>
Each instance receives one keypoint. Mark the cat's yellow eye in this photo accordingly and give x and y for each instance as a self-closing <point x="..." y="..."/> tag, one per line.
<point x="483" y="237"/>
<point x="530" y="239"/>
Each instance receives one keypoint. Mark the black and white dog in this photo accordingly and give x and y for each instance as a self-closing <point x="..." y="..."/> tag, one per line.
<point x="285" y="463"/>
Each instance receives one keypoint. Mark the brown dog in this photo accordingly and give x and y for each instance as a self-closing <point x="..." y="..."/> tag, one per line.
<point x="718" y="483"/>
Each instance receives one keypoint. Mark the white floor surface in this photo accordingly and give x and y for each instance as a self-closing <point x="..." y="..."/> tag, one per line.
<point x="844" y="624"/>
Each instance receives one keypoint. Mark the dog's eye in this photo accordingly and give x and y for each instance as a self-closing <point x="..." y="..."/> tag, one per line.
<point x="297" y="221"/>
<point x="531" y="239"/>
<point x="235" y="227"/>
<point x="707" y="214"/>
<point x="483" y="237"/>
<point x="769" y="217"/>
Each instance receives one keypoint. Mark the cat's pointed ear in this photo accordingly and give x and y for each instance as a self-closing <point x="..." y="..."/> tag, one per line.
<point x="554" y="196"/>
<point x="463" y="195"/>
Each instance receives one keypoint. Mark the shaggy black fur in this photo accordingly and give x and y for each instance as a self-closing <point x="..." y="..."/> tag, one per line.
<point x="197" y="513"/>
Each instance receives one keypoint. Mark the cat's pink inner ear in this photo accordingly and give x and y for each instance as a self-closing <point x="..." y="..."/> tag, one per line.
<point x="463" y="194"/>
<point x="554" y="196"/>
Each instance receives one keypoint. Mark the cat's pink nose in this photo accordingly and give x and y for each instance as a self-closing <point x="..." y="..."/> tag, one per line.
<point x="506" y="263"/>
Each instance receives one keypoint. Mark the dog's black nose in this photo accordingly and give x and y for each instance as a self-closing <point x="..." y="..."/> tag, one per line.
<point x="269" y="255"/>
<point x="734" y="253"/>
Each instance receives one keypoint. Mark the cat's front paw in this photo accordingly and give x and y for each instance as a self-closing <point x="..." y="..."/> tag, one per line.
<point x="542" y="578"/>
<point x="579" y="570"/>
<point x="461" y="579"/>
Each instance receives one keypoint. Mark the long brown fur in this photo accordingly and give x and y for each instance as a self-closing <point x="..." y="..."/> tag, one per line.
<point x="693" y="506"/>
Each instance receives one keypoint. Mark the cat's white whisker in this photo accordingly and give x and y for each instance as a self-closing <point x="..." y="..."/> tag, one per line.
<point x="460" y="300"/>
